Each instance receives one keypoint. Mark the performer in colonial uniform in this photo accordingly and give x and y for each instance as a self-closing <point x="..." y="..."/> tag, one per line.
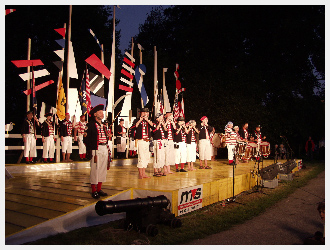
<point x="191" y="144"/>
<point x="109" y="133"/>
<point x="47" y="132"/>
<point x="258" y="138"/>
<point x="29" y="137"/>
<point x="159" y="145"/>
<point x="169" y="143"/>
<point x="180" y="147"/>
<point x="244" y="134"/>
<point x="142" y="127"/>
<point x="96" y="141"/>
<point x="79" y="129"/>
<point x="204" y="142"/>
<point x="66" y="137"/>
<point x="230" y="141"/>
<point x="120" y="133"/>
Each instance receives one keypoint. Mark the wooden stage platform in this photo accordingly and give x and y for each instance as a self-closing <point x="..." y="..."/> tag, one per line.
<point x="40" y="194"/>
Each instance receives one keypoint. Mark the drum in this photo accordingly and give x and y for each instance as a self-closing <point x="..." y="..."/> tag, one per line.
<point x="222" y="140"/>
<point x="265" y="148"/>
<point x="251" y="150"/>
<point x="241" y="146"/>
<point x="216" y="140"/>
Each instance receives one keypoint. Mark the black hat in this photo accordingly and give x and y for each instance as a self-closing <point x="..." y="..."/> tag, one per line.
<point x="144" y="110"/>
<point x="181" y="118"/>
<point x="97" y="108"/>
<point x="258" y="126"/>
<point x="121" y="119"/>
<point x="48" y="114"/>
<point x="29" y="112"/>
<point x="158" y="115"/>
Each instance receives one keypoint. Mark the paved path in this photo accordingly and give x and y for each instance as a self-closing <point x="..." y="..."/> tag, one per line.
<point x="288" y="222"/>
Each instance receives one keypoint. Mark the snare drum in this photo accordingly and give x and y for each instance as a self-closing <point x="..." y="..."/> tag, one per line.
<point x="265" y="148"/>
<point x="251" y="150"/>
<point x="241" y="147"/>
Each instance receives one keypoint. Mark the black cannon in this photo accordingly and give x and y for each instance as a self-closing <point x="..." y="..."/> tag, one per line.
<point x="287" y="167"/>
<point x="142" y="214"/>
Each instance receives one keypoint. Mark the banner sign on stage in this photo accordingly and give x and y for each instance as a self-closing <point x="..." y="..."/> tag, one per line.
<point x="190" y="199"/>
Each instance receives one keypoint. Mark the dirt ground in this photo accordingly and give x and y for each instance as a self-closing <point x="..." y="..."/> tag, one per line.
<point x="289" y="222"/>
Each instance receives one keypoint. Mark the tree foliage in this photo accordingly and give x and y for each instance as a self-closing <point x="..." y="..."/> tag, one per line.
<point x="251" y="64"/>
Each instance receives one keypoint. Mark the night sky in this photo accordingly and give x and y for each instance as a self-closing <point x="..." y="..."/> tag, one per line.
<point x="131" y="16"/>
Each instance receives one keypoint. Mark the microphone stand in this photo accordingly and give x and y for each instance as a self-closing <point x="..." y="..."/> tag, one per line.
<point x="233" y="198"/>
<point x="259" y="158"/>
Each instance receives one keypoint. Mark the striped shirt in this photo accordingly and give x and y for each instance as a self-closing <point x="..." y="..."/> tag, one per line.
<point x="101" y="137"/>
<point x="80" y="126"/>
<point x="231" y="136"/>
<point x="169" y="132"/>
<point x="144" y="130"/>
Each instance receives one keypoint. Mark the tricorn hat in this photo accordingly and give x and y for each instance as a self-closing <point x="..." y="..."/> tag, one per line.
<point x="97" y="108"/>
<point x="144" y="110"/>
<point x="48" y="114"/>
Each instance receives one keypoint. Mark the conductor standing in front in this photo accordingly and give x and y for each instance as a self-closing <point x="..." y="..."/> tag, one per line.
<point x="96" y="140"/>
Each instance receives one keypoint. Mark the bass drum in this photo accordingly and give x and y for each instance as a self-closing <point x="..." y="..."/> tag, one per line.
<point x="241" y="147"/>
<point x="216" y="140"/>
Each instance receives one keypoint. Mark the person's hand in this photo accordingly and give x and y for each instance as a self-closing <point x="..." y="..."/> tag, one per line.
<point x="24" y="139"/>
<point x="62" y="138"/>
<point x="43" y="139"/>
<point x="75" y="138"/>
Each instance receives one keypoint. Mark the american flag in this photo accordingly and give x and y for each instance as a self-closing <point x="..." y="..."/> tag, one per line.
<point x="85" y="94"/>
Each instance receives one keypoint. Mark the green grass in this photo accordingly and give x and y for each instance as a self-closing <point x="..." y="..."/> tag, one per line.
<point x="195" y="225"/>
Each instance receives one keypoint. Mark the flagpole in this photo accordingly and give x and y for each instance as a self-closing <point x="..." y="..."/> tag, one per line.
<point x="155" y="81"/>
<point x="67" y="60"/>
<point x="28" y="86"/>
<point x="140" y="54"/>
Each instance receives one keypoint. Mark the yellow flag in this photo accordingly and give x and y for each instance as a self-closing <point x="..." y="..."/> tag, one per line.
<point x="61" y="101"/>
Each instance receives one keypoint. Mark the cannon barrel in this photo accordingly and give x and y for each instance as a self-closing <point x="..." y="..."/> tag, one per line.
<point x="111" y="207"/>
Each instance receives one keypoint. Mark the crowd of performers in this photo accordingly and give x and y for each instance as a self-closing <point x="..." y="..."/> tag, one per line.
<point x="174" y="143"/>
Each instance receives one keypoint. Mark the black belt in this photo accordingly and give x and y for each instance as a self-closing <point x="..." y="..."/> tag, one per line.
<point x="102" y="143"/>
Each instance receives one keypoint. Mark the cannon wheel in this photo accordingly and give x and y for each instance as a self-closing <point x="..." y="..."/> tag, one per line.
<point x="151" y="230"/>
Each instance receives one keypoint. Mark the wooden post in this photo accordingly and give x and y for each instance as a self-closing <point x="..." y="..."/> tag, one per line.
<point x="67" y="60"/>
<point x="155" y="80"/>
<point x="140" y="55"/>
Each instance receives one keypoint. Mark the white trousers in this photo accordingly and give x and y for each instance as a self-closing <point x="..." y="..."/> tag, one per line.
<point x="122" y="146"/>
<point x="30" y="147"/>
<point x="180" y="153"/>
<point x="99" y="169"/>
<point x="159" y="153"/>
<point x="48" y="147"/>
<point x="169" y="153"/>
<point x="132" y="144"/>
<point x="143" y="154"/>
<point x="191" y="152"/>
<point x="231" y="149"/>
<point x="81" y="145"/>
<point x="204" y="149"/>
<point x="67" y="144"/>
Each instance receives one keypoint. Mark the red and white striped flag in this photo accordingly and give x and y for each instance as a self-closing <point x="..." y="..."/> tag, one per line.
<point x="8" y="11"/>
<point x="88" y="93"/>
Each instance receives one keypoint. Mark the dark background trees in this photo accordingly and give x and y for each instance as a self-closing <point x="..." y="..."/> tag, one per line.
<point x="256" y="64"/>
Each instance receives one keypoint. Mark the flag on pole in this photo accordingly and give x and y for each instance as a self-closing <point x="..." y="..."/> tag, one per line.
<point x="96" y="63"/>
<point x="8" y="11"/>
<point x="34" y="100"/>
<point x="88" y="93"/>
<point x="140" y="71"/>
<point x="176" y="108"/>
<point x="61" y="101"/>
